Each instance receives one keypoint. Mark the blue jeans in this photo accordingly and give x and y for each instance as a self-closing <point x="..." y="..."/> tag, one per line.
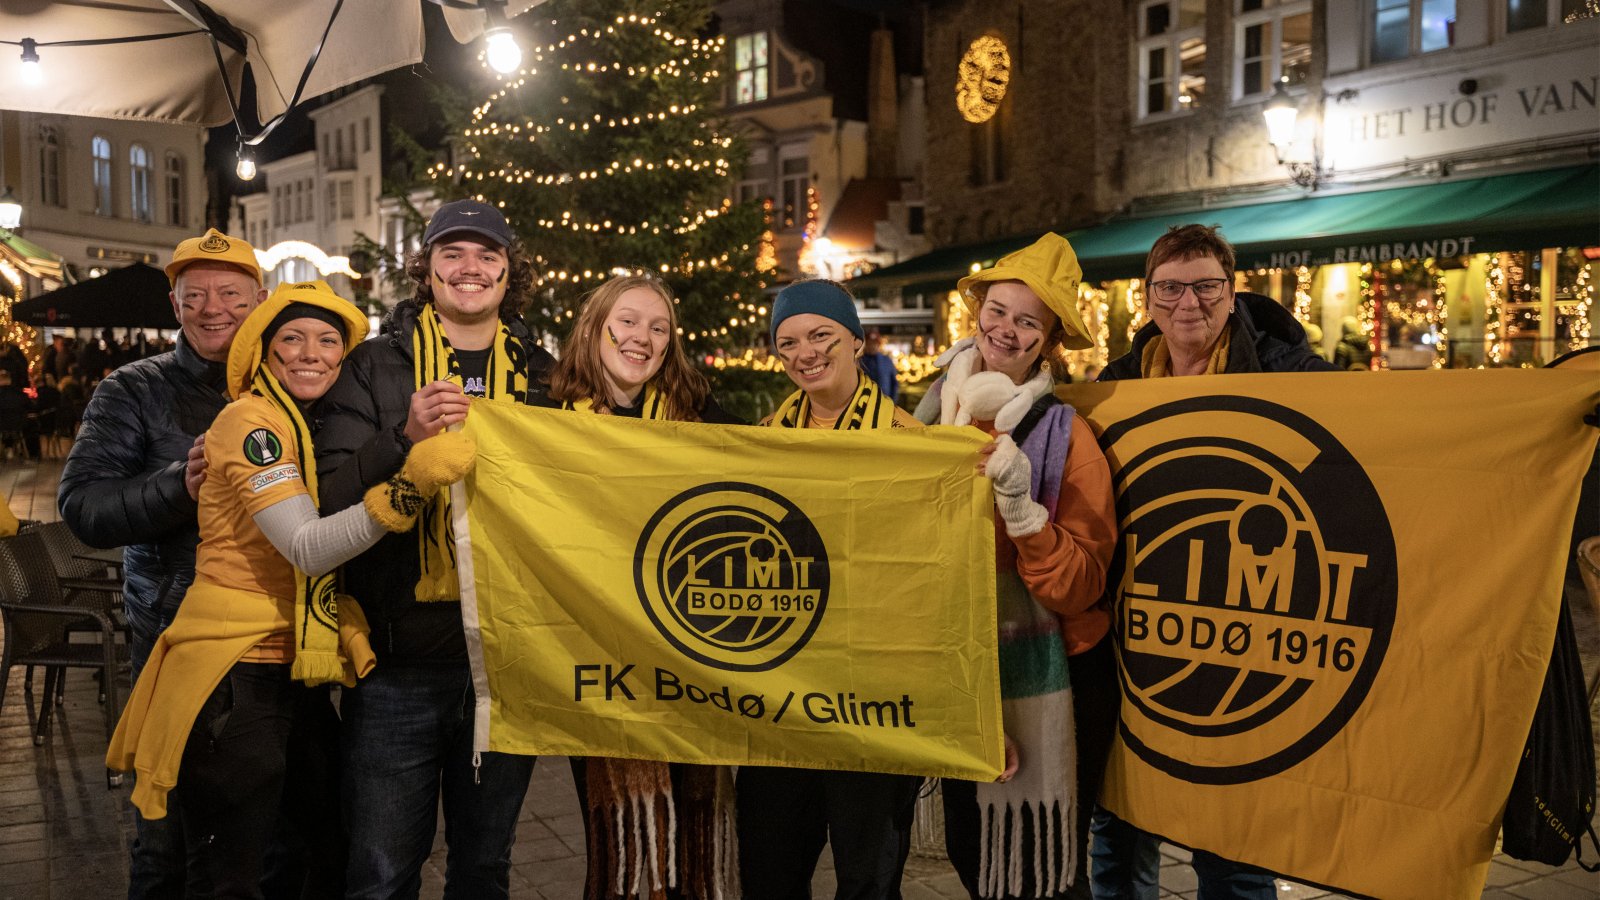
<point x="1125" y="864"/>
<point x="407" y="736"/>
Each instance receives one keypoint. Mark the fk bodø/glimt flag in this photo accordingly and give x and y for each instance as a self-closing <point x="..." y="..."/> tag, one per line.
<point x="717" y="594"/>
<point x="1336" y="598"/>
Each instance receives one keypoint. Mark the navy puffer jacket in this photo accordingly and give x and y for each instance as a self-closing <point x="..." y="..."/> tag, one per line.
<point x="123" y="481"/>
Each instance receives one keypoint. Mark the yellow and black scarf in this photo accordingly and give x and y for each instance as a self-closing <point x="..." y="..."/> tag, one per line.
<point x="1156" y="361"/>
<point x="651" y="405"/>
<point x="316" y="610"/>
<point x="506" y="377"/>
<point x="868" y="408"/>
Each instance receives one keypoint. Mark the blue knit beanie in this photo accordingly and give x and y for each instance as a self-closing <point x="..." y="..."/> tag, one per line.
<point x="821" y="297"/>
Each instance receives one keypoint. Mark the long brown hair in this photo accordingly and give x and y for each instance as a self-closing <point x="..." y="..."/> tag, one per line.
<point x="580" y="375"/>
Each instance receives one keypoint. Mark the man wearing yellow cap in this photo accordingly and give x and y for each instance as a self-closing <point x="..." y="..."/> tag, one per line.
<point x="128" y="481"/>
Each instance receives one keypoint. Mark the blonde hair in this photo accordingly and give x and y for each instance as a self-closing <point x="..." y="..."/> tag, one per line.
<point x="580" y="375"/>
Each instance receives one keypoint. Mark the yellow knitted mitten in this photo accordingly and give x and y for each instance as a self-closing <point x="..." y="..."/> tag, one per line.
<point x="441" y="460"/>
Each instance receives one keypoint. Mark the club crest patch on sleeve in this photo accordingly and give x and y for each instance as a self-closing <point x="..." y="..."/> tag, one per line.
<point x="262" y="447"/>
<point x="263" y="480"/>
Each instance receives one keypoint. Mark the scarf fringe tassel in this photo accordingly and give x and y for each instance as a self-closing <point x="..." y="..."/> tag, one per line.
<point x="634" y="816"/>
<point x="1001" y="854"/>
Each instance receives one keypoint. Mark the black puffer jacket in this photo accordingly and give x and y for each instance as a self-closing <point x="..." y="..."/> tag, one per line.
<point x="1266" y="338"/>
<point x="359" y="444"/>
<point x="123" y="480"/>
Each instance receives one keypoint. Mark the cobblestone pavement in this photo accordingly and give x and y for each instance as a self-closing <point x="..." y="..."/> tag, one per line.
<point x="64" y="835"/>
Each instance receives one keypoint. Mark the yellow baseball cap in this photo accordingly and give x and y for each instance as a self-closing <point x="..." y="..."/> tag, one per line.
<point x="217" y="247"/>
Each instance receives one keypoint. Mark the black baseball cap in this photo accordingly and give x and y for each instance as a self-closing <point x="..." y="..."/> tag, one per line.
<point x="471" y="217"/>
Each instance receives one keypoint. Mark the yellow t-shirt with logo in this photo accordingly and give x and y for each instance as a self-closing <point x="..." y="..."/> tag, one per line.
<point x="251" y="463"/>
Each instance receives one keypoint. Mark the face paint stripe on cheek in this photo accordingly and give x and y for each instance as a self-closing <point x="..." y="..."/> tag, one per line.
<point x="612" y="335"/>
<point x="833" y="346"/>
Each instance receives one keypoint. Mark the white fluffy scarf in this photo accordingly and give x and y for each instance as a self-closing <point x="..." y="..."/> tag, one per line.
<point x="970" y="394"/>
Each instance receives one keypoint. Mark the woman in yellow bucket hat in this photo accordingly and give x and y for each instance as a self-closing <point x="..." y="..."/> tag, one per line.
<point x="1055" y="530"/>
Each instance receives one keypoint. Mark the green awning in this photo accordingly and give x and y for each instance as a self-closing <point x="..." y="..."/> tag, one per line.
<point x="25" y="248"/>
<point x="1529" y="210"/>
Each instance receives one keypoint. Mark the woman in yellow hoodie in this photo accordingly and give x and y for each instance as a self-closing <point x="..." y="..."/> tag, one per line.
<point x="229" y="702"/>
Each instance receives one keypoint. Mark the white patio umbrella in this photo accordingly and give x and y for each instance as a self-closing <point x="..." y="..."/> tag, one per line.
<point x="178" y="79"/>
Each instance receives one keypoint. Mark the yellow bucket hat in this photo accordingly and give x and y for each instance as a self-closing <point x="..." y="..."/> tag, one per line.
<point x="1050" y="269"/>
<point x="244" y="357"/>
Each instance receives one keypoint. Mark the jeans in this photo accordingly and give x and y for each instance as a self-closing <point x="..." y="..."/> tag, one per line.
<point x="1126" y="864"/>
<point x="407" y="737"/>
<point x="785" y="817"/>
<point x="156" y="860"/>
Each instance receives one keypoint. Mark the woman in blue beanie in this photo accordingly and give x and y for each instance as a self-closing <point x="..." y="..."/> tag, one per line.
<point x="786" y="815"/>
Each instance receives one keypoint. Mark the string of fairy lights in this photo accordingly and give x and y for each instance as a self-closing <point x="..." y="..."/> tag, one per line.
<point x="12" y="331"/>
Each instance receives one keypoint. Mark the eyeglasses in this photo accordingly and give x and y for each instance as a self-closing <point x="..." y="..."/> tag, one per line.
<point x="1205" y="290"/>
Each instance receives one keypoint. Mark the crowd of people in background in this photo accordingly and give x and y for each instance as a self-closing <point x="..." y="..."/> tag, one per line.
<point x="41" y="406"/>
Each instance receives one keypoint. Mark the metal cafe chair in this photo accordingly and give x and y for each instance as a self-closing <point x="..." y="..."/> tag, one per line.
<point x="39" y="620"/>
<point x="76" y="564"/>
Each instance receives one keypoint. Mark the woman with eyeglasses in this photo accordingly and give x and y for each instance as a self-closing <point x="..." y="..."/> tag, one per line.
<point x="1199" y="325"/>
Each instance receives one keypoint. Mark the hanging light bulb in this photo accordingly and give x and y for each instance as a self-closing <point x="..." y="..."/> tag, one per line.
<point x="32" y="74"/>
<point x="246" y="170"/>
<point x="500" y="45"/>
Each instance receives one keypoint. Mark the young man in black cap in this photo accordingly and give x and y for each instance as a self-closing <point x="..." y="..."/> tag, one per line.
<point x="408" y="726"/>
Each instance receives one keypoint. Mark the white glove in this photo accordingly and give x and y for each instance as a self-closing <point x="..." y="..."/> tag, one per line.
<point x="1012" y="474"/>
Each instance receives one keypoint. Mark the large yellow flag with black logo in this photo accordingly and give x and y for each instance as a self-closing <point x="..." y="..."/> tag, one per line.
<point x="1336" y="598"/>
<point x="716" y="594"/>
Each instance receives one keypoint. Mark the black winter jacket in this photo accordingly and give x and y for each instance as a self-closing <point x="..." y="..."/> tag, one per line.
<point x="1266" y="338"/>
<point x="359" y="444"/>
<point x="123" y="480"/>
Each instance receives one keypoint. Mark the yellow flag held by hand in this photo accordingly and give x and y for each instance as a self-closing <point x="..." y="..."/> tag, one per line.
<point x="1335" y="601"/>
<point x="728" y="595"/>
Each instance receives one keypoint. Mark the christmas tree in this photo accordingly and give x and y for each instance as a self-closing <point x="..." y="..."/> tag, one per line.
<point x="608" y="153"/>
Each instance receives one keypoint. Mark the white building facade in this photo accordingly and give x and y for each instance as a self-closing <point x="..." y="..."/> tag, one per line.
<point x="102" y="193"/>
<point x="310" y="209"/>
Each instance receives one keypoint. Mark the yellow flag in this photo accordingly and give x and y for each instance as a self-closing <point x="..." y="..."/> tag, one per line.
<point x="728" y="595"/>
<point x="1336" y="598"/>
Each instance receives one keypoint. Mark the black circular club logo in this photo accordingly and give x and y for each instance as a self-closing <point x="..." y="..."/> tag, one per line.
<point x="1256" y="586"/>
<point x="262" y="447"/>
<point x="733" y="575"/>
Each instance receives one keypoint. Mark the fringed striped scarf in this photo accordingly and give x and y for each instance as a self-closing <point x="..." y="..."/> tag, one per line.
<point x="432" y="359"/>
<point x="1036" y="700"/>
<point x="637" y="845"/>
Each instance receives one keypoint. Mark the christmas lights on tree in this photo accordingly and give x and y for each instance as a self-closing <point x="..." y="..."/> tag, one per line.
<point x="607" y="153"/>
